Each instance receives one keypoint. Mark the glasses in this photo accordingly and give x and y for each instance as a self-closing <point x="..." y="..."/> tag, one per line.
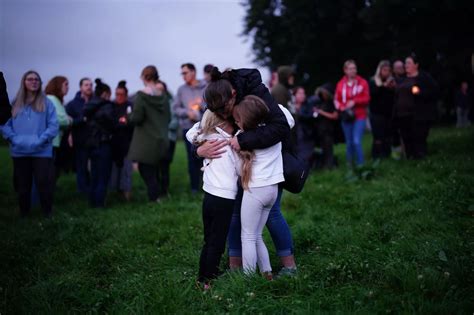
<point x="185" y="73"/>
<point x="32" y="80"/>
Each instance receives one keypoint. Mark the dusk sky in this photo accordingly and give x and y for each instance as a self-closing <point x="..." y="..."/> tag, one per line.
<point x="115" y="39"/>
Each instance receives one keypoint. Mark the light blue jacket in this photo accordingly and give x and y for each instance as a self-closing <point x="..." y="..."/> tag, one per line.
<point x="31" y="133"/>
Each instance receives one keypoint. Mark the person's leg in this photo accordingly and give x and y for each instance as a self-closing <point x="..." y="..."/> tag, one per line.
<point x="148" y="173"/>
<point x="217" y="216"/>
<point x="125" y="180"/>
<point x="250" y="215"/>
<point x="23" y="178"/>
<point x="206" y="221"/>
<point x="267" y="196"/>
<point x="159" y="177"/>
<point x="280" y="233"/>
<point x="104" y="166"/>
<point x="44" y="179"/>
<point x="192" y="164"/>
<point x="234" y="238"/>
<point x="406" y="133"/>
<point x="377" y="122"/>
<point x="358" y="133"/>
<point x="347" y="128"/>
<point x="115" y="173"/>
<point x="460" y="118"/>
<point x="421" y="131"/>
<point x="82" y="174"/>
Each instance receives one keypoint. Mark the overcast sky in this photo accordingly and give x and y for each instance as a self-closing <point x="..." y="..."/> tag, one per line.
<point x="115" y="39"/>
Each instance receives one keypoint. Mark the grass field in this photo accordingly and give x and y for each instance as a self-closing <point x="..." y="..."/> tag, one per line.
<point x="402" y="242"/>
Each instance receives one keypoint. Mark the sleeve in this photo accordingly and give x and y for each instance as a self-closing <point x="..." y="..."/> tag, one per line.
<point x="362" y="99"/>
<point x="338" y="97"/>
<point x="137" y="117"/>
<point x="63" y="119"/>
<point x="7" y="130"/>
<point x="178" y="107"/>
<point x="289" y="117"/>
<point x="52" y="126"/>
<point x="77" y="118"/>
<point x="276" y="127"/>
<point x="192" y="133"/>
<point x="428" y="87"/>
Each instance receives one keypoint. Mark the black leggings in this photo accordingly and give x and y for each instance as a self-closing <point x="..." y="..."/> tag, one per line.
<point x="216" y="217"/>
<point x="42" y="170"/>
<point x="148" y="173"/>
<point x="414" y="135"/>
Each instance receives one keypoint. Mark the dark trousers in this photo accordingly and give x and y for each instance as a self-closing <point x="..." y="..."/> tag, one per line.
<point x="148" y="174"/>
<point x="216" y="217"/>
<point x="414" y="134"/>
<point x="42" y="170"/>
<point x="382" y="136"/>
<point x="82" y="173"/>
<point x="194" y="164"/>
<point x="163" y="170"/>
<point x="101" y="166"/>
<point x="326" y="139"/>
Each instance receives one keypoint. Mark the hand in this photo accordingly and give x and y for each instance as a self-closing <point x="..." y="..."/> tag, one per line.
<point x="415" y="90"/>
<point x="193" y="115"/>
<point x="69" y="141"/>
<point x="212" y="149"/>
<point x="123" y="120"/>
<point x="350" y="104"/>
<point x="234" y="143"/>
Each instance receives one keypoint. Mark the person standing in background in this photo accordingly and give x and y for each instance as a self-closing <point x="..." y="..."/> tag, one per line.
<point x="5" y="107"/>
<point x="150" y="117"/>
<point x="30" y="133"/>
<point x="382" y="92"/>
<point x="463" y="102"/>
<point x="281" y="91"/>
<point x="122" y="168"/>
<point x="75" y="110"/>
<point x="398" y="71"/>
<point x="207" y="73"/>
<point x="188" y="106"/>
<point x="352" y="99"/>
<point x="304" y="127"/>
<point x="55" y="90"/>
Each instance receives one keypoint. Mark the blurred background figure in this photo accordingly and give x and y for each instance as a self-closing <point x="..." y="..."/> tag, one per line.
<point x="281" y="91"/>
<point x="30" y="133"/>
<point x="188" y="106"/>
<point x="303" y="132"/>
<point x="415" y="108"/>
<point x="352" y="99"/>
<point x="150" y="143"/>
<point x="122" y="168"/>
<point x="326" y="118"/>
<point x="382" y="93"/>
<point x="75" y="110"/>
<point x="100" y="126"/>
<point x="5" y="107"/>
<point x="55" y="90"/>
<point x="398" y="71"/>
<point x="463" y="103"/>
<point x="207" y="73"/>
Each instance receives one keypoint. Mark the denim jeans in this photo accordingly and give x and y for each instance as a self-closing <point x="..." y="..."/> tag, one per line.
<point x="194" y="164"/>
<point x="353" y="132"/>
<point x="276" y="224"/>
<point x="101" y="166"/>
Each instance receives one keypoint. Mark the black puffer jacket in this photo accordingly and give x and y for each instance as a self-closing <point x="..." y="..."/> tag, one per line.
<point x="101" y="122"/>
<point x="5" y="108"/>
<point x="276" y="129"/>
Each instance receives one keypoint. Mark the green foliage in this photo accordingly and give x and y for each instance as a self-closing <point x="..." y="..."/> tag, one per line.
<point x="401" y="242"/>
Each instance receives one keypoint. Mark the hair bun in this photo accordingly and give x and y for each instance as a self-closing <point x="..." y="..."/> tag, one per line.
<point x="122" y="84"/>
<point x="216" y="75"/>
<point x="98" y="81"/>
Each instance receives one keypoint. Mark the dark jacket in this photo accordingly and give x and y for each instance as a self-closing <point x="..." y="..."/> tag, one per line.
<point x="381" y="99"/>
<point x="422" y="106"/>
<point x="281" y="91"/>
<point x="151" y="116"/>
<point x="75" y="109"/>
<point x="100" y="122"/>
<point x="123" y="134"/>
<point x="5" y="106"/>
<point x="276" y="129"/>
<point x="462" y="100"/>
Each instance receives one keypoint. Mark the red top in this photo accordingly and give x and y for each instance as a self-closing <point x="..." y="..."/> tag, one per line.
<point x="358" y="91"/>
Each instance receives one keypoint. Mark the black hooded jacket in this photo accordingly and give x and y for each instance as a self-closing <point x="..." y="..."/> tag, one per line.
<point x="276" y="128"/>
<point x="101" y="122"/>
<point x="5" y="107"/>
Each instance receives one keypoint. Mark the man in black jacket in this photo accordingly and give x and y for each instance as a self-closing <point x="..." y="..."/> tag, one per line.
<point x="5" y="107"/>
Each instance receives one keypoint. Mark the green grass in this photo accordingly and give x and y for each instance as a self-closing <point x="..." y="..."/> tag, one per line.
<point x="402" y="242"/>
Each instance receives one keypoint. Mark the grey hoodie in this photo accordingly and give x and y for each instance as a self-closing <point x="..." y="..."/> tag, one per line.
<point x="185" y="97"/>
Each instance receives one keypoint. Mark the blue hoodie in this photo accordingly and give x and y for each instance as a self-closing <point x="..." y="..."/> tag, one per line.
<point x="31" y="133"/>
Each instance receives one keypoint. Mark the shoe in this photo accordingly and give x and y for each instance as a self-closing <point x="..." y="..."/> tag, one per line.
<point x="268" y="275"/>
<point x="287" y="272"/>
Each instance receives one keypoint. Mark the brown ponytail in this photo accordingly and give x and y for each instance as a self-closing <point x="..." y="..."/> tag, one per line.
<point x="246" y="171"/>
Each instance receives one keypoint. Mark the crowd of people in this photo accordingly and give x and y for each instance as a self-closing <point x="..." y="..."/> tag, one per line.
<point x="236" y="132"/>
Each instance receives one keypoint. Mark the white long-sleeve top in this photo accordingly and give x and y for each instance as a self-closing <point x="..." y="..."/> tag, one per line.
<point x="220" y="175"/>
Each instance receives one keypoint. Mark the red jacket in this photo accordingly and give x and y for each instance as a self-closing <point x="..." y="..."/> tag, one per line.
<point x="358" y="92"/>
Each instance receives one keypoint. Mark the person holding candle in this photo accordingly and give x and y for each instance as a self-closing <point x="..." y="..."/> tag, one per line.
<point x="415" y="108"/>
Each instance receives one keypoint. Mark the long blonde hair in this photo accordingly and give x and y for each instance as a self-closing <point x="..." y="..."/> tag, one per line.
<point x="377" y="78"/>
<point x="250" y="112"/>
<point x="38" y="103"/>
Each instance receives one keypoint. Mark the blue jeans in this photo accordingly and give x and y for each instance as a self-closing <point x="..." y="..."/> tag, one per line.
<point x="101" y="166"/>
<point x="276" y="224"/>
<point x="82" y="174"/>
<point x="194" y="164"/>
<point x="353" y="132"/>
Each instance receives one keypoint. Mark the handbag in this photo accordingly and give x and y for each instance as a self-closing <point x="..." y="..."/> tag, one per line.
<point x="295" y="171"/>
<point x="348" y="115"/>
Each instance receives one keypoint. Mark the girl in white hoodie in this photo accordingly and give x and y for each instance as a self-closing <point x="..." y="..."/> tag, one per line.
<point x="261" y="171"/>
<point x="220" y="187"/>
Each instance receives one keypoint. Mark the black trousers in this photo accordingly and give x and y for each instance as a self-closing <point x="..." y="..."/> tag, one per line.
<point x="163" y="170"/>
<point x="148" y="173"/>
<point x="216" y="217"/>
<point x="414" y="135"/>
<point x="42" y="170"/>
<point x="382" y="136"/>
